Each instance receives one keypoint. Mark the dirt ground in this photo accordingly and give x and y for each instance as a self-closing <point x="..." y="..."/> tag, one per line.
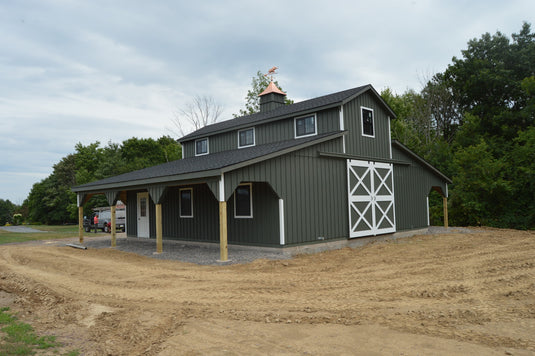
<point x="447" y="294"/>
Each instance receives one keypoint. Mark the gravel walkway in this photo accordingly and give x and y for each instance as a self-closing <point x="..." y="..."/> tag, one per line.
<point x="208" y="253"/>
<point x="202" y="254"/>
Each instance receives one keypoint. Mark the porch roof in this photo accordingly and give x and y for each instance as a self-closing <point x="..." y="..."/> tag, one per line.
<point x="210" y="165"/>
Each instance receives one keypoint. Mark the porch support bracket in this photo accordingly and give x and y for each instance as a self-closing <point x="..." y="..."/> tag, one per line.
<point x="157" y="193"/>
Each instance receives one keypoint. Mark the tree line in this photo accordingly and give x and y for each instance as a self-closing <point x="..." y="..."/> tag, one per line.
<point x="51" y="200"/>
<point x="475" y="122"/>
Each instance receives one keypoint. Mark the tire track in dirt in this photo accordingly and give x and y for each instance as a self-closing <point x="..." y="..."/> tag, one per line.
<point x="459" y="287"/>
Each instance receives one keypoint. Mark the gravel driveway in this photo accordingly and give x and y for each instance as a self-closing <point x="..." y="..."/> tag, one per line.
<point x="21" y="229"/>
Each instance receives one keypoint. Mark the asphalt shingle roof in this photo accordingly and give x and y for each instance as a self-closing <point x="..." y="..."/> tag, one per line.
<point x="279" y="113"/>
<point x="207" y="163"/>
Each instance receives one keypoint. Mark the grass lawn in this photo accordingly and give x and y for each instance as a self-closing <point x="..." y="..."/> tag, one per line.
<point x="18" y="338"/>
<point x="51" y="232"/>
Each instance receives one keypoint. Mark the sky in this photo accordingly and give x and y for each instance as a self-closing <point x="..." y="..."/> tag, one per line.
<point x="85" y="71"/>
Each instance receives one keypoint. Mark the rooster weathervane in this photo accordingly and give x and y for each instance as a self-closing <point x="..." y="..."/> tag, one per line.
<point x="271" y="72"/>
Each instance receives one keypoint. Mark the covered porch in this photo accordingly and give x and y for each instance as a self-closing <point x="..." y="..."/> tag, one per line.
<point x="200" y="210"/>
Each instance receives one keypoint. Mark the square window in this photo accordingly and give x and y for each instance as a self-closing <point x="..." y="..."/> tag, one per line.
<point x="243" y="201"/>
<point x="186" y="203"/>
<point x="201" y="147"/>
<point x="367" y="122"/>
<point x="246" y="138"/>
<point x="305" y="126"/>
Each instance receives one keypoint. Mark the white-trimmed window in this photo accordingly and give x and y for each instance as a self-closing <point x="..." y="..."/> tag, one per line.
<point x="367" y="124"/>
<point x="305" y="126"/>
<point x="186" y="202"/>
<point x="246" y="137"/>
<point x="243" y="201"/>
<point x="201" y="146"/>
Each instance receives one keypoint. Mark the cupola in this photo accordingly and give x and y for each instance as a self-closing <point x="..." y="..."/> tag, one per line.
<point x="272" y="97"/>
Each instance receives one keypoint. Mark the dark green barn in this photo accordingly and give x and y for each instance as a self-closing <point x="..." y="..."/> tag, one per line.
<point x="316" y="171"/>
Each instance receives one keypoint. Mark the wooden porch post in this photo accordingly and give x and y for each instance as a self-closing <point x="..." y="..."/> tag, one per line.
<point x="445" y="205"/>
<point x="223" y="249"/>
<point x="113" y="227"/>
<point x="159" y="247"/>
<point x="81" y="224"/>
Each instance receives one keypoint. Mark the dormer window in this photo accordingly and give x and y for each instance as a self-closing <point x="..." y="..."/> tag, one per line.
<point x="201" y="147"/>
<point x="305" y="126"/>
<point x="367" y="122"/>
<point x="246" y="138"/>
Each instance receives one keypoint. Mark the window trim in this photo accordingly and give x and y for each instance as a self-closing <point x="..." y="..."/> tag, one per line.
<point x="304" y="117"/>
<point x="254" y="137"/>
<point x="180" y="202"/>
<point x="250" y="201"/>
<point x="362" y="121"/>
<point x="207" y="146"/>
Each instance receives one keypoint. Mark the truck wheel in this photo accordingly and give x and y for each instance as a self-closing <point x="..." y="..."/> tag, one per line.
<point x="87" y="229"/>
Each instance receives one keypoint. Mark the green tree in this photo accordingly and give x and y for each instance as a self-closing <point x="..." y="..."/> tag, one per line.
<point x="487" y="81"/>
<point x="252" y="101"/>
<point x="7" y="208"/>
<point x="482" y="190"/>
<point x="146" y="152"/>
<point x="51" y="200"/>
<point x="521" y="160"/>
<point x="493" y="87"/>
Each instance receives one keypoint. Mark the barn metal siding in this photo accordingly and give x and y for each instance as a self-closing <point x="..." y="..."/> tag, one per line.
<point x="356" y="144"/>
<point x="204" y="226"/>
<point x="188" y="149"/>
<point x="131" y="213"/>
<point x="314" y="190"/>
<point x="412" y="185"/>
<point x="263" y="227"/>
<point x="281" y="130"/>
<point x="223" y="142"/>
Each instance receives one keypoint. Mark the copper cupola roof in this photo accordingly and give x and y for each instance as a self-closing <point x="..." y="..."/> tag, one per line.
<point x="271" y="88"/>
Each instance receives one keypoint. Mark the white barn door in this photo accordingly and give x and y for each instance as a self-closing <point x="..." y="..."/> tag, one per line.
<point x="371" y="198"/>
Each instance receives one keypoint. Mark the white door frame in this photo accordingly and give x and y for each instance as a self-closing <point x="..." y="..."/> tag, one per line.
<point x="367" y="204"/>
<point x="143" y="226"/>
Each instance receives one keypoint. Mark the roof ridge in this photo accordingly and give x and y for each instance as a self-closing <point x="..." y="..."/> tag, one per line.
<point x="258" y="117"/>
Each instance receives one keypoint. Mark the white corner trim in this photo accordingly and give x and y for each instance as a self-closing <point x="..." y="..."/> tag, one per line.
<point x="281" y="221"/>
<point x="389" y="137"/>
<point x="342" y="128"/>
<point x="342" y="117"/>
<point x="427" y="198"/>
<point x="222" y="187"/>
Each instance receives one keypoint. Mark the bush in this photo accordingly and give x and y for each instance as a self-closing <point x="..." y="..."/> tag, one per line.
<point x="17" y="219"/>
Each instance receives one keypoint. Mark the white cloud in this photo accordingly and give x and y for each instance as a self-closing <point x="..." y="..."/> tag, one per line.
<point x="76" y="71"/>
